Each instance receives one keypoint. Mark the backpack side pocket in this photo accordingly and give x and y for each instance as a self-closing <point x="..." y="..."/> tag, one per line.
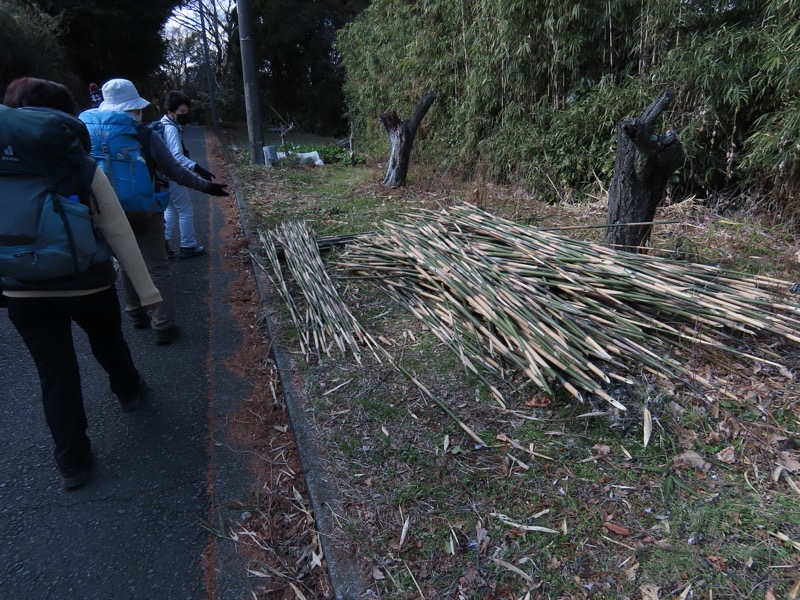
<point x="65" y="242"/>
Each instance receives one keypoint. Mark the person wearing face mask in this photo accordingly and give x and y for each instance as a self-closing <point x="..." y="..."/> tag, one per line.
<point x="177" y="107"/>
<point x="121" y="96"/>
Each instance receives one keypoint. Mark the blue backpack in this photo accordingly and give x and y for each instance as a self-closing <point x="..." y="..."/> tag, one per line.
<point x="46" y="230"/>
<point x="118" y="150"/>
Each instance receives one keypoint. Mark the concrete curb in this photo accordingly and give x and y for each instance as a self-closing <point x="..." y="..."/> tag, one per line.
<point x="347" y="578"/>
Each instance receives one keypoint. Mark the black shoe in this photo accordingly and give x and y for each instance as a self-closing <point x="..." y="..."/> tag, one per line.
<point x="167" y="335"/>
<point x="170" y="251"/>
<point x="192" y="251"/>
<point x="75" y="477"/>
<point x="129" y="402"/>
<point x="140" y="318"/>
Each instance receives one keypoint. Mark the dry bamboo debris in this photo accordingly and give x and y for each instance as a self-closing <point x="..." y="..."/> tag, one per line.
<point x="326" y="321"/>
<point x="331" y="241"/>
<point x="305" y="264"/>
<point x="503" y="296"/>
<point x="279" y="283"/>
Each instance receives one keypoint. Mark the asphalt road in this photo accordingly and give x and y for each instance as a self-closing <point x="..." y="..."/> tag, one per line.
<point x="136" y="529"/>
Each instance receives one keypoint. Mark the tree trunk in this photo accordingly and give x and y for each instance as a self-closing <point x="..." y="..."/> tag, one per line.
<point x="401" y="135"/>
<point x="645" y="161"/>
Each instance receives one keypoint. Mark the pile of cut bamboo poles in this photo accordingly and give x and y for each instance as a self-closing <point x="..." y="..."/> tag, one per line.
<point x="326" y="321"/>
<point x="511" y="299"/>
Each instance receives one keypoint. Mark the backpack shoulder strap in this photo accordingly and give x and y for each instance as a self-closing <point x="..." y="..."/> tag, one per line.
<point x="163" y="124"/>
<point x="88" y="169"/>
<point x="145" y="134"/>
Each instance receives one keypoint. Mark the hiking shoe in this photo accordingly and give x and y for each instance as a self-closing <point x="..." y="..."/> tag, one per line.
<point x="167" y="335"/>
<point x="140" y="318"/>
<point x="74" y="477"/>
<point x="130" y="402"/>
<point x="192" y="251"/>
<point x="170" y="251"/>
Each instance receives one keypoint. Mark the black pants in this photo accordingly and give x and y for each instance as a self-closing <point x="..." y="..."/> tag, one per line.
<point x="45" y="325"/>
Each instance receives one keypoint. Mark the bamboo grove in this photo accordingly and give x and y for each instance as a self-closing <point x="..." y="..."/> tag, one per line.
<point x="532" y="90"/>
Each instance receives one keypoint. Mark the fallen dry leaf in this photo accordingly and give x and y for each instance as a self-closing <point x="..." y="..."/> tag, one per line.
<point x="726" y="455"/>
<point x="538" y="402"/>
<point x="650" y="591"/>
<point x="718" y="563"/>
<point x="630" y="572"/>
<point x="614" y="528"/>
<point x="297" y="593"/>
<point x="789" y="462"/>
<point x="691" y="459"/>
<point x="687" y="438"/>
<point x="377" y="574"/>
<point x="601" y="450"/>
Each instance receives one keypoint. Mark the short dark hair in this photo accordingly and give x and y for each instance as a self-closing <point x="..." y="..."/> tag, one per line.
<point x="174" y="99"/>
<point x="30" y="91"/>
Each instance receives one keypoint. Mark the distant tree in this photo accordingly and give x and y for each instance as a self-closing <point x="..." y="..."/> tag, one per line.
<point x="111" y="38"/>
<point x="220" y="26"/>
<point x="182" y="51"/>
<point x="300" y="66"/>
<point x="185" y="63"/>
<point x="31" y="44"/>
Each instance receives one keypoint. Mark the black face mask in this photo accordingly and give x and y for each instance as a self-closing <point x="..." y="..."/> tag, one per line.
<point x="182" y="119"/>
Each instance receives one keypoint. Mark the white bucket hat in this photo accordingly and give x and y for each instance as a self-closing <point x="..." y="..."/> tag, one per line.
<point x="121" y="95"/>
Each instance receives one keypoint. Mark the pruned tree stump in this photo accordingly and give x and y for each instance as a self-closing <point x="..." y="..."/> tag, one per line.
<point x="401" y="136"/>
<point x="645" y="161"/>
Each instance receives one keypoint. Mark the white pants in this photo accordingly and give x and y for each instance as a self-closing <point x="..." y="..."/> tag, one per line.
<point x="180" y="210"/>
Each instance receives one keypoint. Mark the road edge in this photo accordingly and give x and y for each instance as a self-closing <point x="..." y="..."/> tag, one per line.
<point x="347" y="578"/>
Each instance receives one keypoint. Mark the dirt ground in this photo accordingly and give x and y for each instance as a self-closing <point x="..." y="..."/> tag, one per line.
<point x="275" y="530"/>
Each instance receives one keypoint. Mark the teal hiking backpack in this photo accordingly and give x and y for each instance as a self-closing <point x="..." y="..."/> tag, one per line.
<point x="46" y="230"/>
<point x="157" y="127"/>
<point x="118" y="150"/>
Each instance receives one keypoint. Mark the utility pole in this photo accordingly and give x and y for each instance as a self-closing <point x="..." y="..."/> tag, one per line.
<point x="211" y="90"/>
<point x="249" y="73"/>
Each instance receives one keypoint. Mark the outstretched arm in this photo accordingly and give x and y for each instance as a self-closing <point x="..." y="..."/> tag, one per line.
<point x="175" y="171"/>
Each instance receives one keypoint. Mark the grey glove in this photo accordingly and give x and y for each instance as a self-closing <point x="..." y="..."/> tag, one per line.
<point x="218" y="189"/>
<point x="207" y="175"/>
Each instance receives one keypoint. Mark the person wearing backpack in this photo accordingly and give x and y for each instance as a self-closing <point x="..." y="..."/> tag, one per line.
<point x="177" y="106"/>
<point x="45" y="168"/>
<point x="95" y="95"/>
<point x="135" y="159"/>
